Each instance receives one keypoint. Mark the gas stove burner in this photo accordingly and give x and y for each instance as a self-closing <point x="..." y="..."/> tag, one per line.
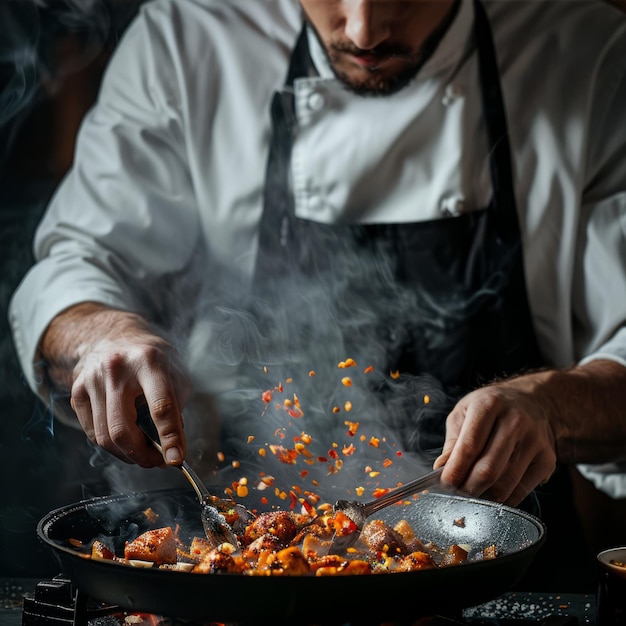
<point x="57" y="602"/>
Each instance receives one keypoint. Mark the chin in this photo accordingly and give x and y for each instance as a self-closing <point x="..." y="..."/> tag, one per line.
<point x="374" y="85"/>
<point x="375" y="82"/>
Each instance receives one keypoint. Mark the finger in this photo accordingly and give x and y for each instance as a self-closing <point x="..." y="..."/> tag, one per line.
<point x="91" y="398"/>
<point x="98" y="414"/>
<point x="81" y="405"/>
<point x="538" y="472"/>
<point x="491" y="466"/>
<point x="127" y="437"/>
<point x="115" y="388"/>
<point x="512" y="473"/>
<point x="452" y="431"/>
<point x="474" y="418"/>
<point x="166" y="415"/>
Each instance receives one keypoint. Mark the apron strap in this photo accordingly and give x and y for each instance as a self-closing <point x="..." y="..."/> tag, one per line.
<point x="497" y="132"/>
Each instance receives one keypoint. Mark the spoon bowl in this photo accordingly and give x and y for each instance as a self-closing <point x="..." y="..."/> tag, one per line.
<point x="359" y="512"/>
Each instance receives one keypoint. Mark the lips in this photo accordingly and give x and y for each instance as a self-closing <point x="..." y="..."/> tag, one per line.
<point x="370" y="61"/>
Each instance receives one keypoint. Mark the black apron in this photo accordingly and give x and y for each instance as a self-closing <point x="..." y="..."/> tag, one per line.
<point x="443" y="302"/>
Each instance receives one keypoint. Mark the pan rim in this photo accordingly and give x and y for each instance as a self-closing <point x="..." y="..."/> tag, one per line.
<point x="47" y="521"/>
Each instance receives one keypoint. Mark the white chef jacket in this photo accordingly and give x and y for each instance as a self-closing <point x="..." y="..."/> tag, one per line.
<point x="170" y="163"/>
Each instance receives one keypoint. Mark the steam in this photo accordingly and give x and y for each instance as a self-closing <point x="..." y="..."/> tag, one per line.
<point x="19" y="57"/>
<point x="40" y="427"/>
<point x="287" y="336"/>
<point x="350" y="299"/>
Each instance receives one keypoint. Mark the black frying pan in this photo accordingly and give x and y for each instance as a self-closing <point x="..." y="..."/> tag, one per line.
<point x="295" y="599"/>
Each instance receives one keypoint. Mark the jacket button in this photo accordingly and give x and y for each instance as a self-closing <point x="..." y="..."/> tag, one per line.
<point x="316" y="101"/>
<point x="316" y="203"/>
<point x="452" y="206"/>
<point x="452" y="93"/>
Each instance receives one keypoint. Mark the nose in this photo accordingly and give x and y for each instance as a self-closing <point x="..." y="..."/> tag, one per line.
<point x="366" y="25"/>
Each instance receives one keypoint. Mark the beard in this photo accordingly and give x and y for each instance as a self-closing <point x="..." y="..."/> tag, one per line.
<point x="374" y="81"/>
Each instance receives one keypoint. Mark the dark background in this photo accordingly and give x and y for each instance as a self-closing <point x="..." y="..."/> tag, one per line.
<point x="52" y="56"/>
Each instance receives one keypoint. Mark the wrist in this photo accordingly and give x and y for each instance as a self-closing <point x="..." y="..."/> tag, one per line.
<point x="546" y="392"/>
<point x="74" y="332"/>
<point x="93" y="325"/>
<point x="584" y="408"/>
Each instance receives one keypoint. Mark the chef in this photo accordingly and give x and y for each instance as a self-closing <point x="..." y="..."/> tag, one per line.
<point x="438" y="187"/>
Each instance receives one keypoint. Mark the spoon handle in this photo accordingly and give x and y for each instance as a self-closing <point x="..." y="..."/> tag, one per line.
<point x="145" y="423"/>
<point x="413" y="486"/>
<point x="196" y="482"/>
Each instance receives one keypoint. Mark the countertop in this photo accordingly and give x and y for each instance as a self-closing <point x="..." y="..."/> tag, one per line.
<point x="510" y="609"/>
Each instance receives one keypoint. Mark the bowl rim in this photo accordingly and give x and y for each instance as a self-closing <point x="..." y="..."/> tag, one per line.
<point x="605" y="556"/>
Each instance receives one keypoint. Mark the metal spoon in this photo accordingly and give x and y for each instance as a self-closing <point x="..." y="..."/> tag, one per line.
<point x="216" y="528"/>
<point x="358" y="512"/>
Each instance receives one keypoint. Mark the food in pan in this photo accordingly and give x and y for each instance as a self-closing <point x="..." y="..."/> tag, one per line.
<point x="295" y="537"/>
<point x="285" y="543"/>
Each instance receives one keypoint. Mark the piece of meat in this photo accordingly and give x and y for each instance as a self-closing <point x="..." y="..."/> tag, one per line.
<point x="405" y="529"/>
<point x="281" y="524"/>
<point x="157" y="546"/>
<point x="346" y="568"/>
<point x="490" y="552"/>
<point x="415" y="545"/>
<point x="454" y="556"/>
<point x="220" y="561"/>
<point x="289" y="561"/>
<point x="100" y="550"/>
<point x="200" y="546"/>
<point x="415" y="561"/>
<point x="264" y="543"/>
<point x="382" y="538"/>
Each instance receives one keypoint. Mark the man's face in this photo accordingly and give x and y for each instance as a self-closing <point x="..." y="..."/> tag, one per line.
<point x="375" y="46"/>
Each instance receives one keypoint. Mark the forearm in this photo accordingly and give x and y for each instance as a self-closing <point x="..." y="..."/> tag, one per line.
<point x="586" y="409"/>
<point x="72" y="331"/>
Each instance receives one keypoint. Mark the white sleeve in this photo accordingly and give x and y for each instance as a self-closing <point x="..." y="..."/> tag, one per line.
<point x="609" y="478"/>
<point x="599" y="284"/>
<point x="125" y="219"/>
<point x="600" y="310"/>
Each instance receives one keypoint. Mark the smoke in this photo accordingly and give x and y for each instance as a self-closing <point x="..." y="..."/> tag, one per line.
<point x="18" y="57"/>
<point x="39" y="429"/>
<point x="318" y="303"/>
<point x="290" y="338"/>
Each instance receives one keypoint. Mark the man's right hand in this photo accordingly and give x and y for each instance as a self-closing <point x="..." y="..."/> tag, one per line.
<point x="111" y="361"/>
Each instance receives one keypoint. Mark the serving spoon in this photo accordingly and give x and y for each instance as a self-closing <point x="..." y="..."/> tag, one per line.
<point x="216" y="528"/>
<point x="358" y="512"/>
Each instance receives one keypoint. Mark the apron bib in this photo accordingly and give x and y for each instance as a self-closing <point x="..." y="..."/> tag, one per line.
<point x="443" y="300"/>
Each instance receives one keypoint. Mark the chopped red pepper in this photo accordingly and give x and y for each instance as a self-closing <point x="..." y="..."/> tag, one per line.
<point x="342" y="524"/>
<point x="285" y="455"/>
<point x="294" y="500"/>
